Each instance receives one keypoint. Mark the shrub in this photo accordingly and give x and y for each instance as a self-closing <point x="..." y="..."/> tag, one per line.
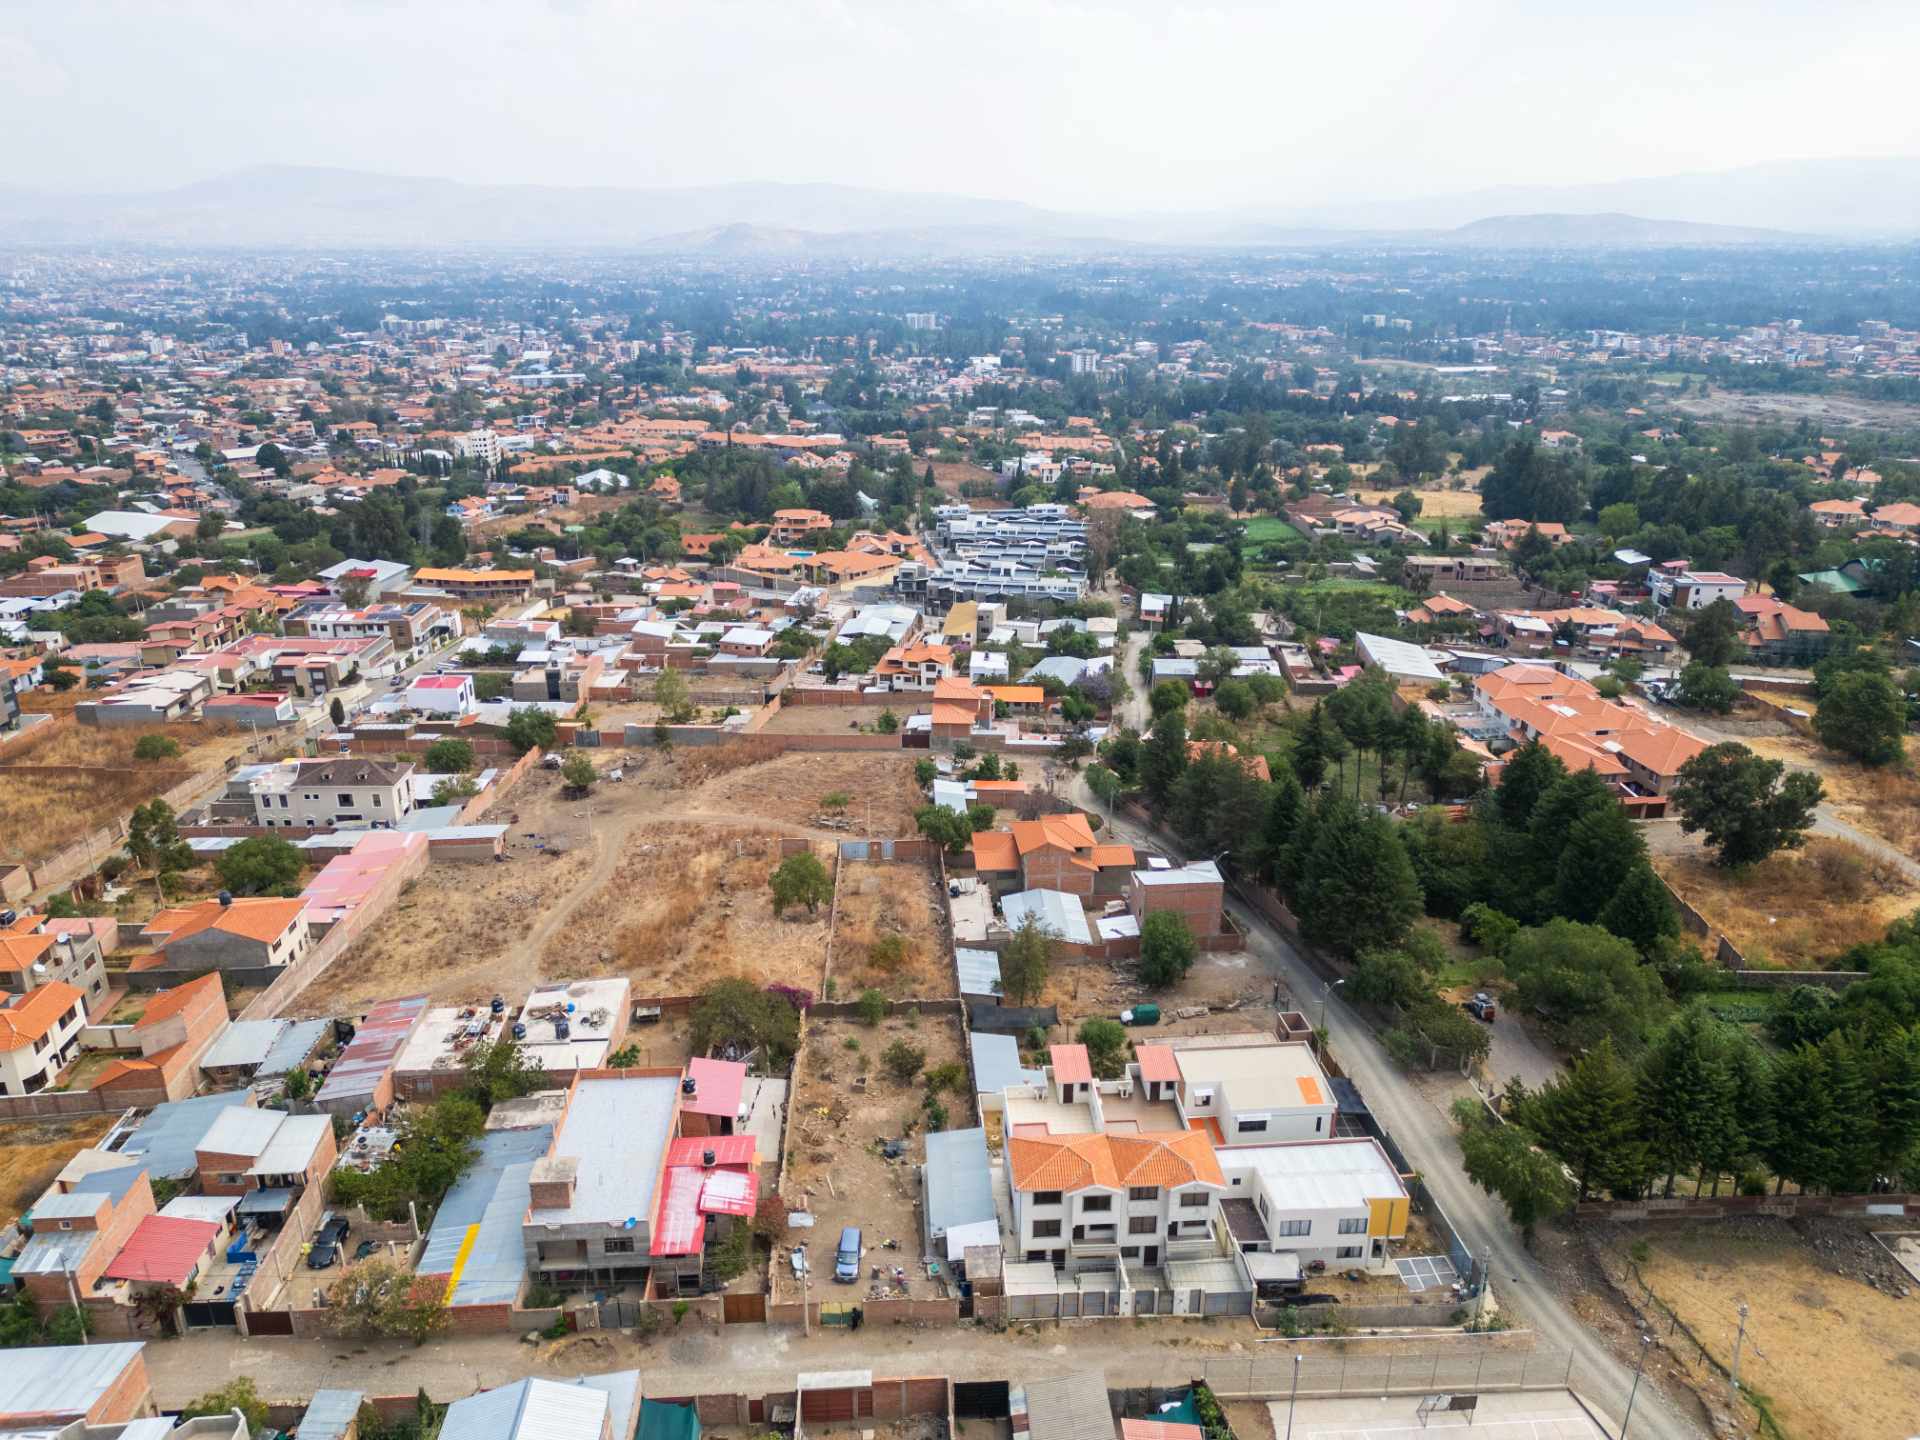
<point x="903" y="1061"/>
<point x="449" y="757"/>
<point x="888" y="953"/>
<point x="155" y="747"/>
<point x="872" y="1006"/>
<point x="950" y="1077"/>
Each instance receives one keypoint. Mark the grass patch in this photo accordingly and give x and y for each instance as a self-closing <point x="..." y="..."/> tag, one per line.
<point x="1263" y="529"/>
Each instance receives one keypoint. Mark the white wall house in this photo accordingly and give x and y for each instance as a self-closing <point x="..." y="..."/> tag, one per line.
<point x="347" y="792"/>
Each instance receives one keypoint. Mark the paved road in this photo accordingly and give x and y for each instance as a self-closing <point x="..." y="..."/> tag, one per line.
<point x="1425" y="1132"/>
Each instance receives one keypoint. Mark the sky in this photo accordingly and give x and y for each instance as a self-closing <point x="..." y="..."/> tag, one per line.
<point x="1108" y="105"/>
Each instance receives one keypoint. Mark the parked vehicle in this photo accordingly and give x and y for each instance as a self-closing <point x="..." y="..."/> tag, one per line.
<point x="846" y="1257"/>
<point x="1481" y="1006"/>
<point x="323" y="1254"/>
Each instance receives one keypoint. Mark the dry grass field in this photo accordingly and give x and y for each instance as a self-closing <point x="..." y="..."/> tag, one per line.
<point x="32" y="1152"/>
<point x="877" y="900"/>
<point x="65" y="780"/>
<point x="1796" y="908"/>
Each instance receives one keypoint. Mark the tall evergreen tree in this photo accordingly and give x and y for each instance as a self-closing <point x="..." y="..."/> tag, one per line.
<point x="1687" y="1097"/>
<point x="1640" y="909"/>
<point x="1163" y="758"/>
<point x="1316" y="747"/>
<point x="1800" y="1149"/>
<point x="1590" y="1118"/>
<point x="1357" y="889"/>
<point x="1289" y="803"/>
<point x="1602" y="848"/>
<point x="1527" y="775"/>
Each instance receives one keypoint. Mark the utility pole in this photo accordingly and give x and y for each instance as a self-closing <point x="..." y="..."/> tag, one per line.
<point x="1646" y="1344"/>
<point x="1486" y="1284"/>
<point x="79" y="1314"/>
<point x="1733" y="1373"/>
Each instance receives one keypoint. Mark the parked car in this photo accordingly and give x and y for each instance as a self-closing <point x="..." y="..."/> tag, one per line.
<point x="846" y="1256"/>
<point x="323" y="1254"/>
<point x="333" y="1230"/>
<point x="1481" y="1006"/>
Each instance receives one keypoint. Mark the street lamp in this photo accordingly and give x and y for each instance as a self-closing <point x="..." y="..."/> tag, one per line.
<point x="1646" y="1344"/>
<point x="1293" y="1394"/>
<point x="1326" y="989"/>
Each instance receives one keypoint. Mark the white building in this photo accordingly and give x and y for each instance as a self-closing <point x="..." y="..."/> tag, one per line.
<point x="39" y="1033"/>
<point x="333" y="794"/>
<point x="442" y="694"/>
<point x="481" y="445"/>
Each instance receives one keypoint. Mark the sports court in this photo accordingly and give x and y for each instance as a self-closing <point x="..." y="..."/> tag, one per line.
<point x="1527" y="1415"/>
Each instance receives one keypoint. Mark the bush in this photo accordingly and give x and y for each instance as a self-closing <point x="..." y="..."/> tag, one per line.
<point x="1106" y="1042"/>
<point x="528" y="727"/>
<point x="871" y="1006"/>
<point x="1167" y="950"/>
<point x="950" y="1077"/>
<point x="578" y="773"/>
<point x="801" y="880"/>
<point x="903" y="1061"/>
<point x="888" y="953"/>
<point x="449" y="757"/>
<point x="259" y="865"/>
<point x="155" y="747"/>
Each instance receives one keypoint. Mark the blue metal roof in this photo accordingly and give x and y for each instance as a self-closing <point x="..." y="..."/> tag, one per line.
<point x="493" y="1195"/>
<point x="166" y="1139"/>
<point x="959" y="1180"/>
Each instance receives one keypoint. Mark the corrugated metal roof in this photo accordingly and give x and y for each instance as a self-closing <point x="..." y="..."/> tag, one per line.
<point x="293" y="1145"/>
<point x="163" y="1248"/>
<point x="244" y="1042"/>
<point x="371" y="1054"/>
<point x="959" y="1188"/>
<point x="241" y="1132"/>
<point x="296" y="1041"/>
<point x="1055" y="909"/>
<point x="492" y="1195"/>
<point x="996" y="1064"/>
<point x="979" y="970"/>
<point x="168" y="1136"/>
<point x="330" y="1414"/>
<point x="1069" y="1407"/>
<point x="62" y="1380"/>
<point x="532" y="1409"/>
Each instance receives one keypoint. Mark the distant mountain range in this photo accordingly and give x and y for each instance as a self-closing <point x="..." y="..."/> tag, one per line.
<point x="315" y="208"/>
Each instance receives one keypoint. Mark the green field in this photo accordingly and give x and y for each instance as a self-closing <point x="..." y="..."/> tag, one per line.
<point x="1270" y="529"/>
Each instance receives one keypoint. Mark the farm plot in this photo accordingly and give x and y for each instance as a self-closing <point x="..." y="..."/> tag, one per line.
<point x="847" y="1103"/>
<point x="686" y="906"/>
<point x="888" y="931"/>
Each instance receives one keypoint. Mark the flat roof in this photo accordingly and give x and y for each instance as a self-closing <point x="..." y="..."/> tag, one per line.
<point x="617" y="1132"/>
<point x="959" y="1188"/>
<point x="62" y="1381"/>
<point x="243" y="1042"/>
<point x="996" y="1064"/>
<point x="1258" y="1077"/>
<point x="1320" y="1174"/>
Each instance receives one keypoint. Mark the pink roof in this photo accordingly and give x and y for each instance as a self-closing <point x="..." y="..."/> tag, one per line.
<point x="727" y="1150"/>
<point x="1070" y="1064"/>
<point x="1157" y="1062"/>
<point x="439" y="682"/>
<point x="163" y="1249"/>
<point x="716" y="1087"/>
<point x="694" y="1190"/>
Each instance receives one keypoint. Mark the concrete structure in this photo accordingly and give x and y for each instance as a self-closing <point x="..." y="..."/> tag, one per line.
<point x="590" y="1219"/>
<point x="256" y="933"/>
<point x="334" y="794"/>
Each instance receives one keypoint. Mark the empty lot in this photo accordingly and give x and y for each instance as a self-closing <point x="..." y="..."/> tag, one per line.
<point x="878" y="900"/>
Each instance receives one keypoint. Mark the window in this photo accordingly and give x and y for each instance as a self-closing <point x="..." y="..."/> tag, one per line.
<point x="1294" y="1227"/>
<point x="1356" y="1226"/>
<point x="1319" y="1121"/>
<point x="621" y="1246"/>
<point x="1095" y="1204"/>
<point x="1252" y="1127"/>
<point x="1193" y="1199"/>
<point x="345" y="799"/>
<point x="1143" y="1192"/>
<point x="1129" y="1252"/>
<point x="1143" y="1225"/>
<point x="1046" y="1197"/>
<point x="376" y="802"/>
<point x="1350" y="1252"/>
<point x="1261" y="1205"/>
<point x="1046" y="1229"/>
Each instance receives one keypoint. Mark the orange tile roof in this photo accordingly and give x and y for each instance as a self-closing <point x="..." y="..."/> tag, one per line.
<point x="263" y="919"/>
<point x="1017" y="694"/>
<point x="1067" y="832"/>
<point x="19" y="952"/>
<point x="169" y="1003"/>
<point x="31" y="1016"/>
<point x="1112" y="1162"/>
<point x="1108" y="856"/>
<point x="1157" y="1062"/>
<point x="994" y="850"/>
<point x="953" y="714"/>
<point x="1071" y="1064"/>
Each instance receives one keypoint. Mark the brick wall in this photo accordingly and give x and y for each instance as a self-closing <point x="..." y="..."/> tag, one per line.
<point x="1702" y="1207"/>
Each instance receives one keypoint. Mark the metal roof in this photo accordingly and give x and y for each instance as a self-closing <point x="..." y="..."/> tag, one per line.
<point x="487" y="1203"/>
<point x="618" y="1131"/>
<point x="293" y="1145"/>
<point x="68" y="1207"/>
<point x="532" y="1409"/>
<point x="241" y="1132"/>
<point x="297" y="1040"/>
<point x="164" y="1248"/>
<point x="201" y="1207"/>
<point x="1068" y="1407"/>
<point x="1321" y="1174"/>
<point x="1397" y="657"/>
<point x="330" y="1414"/>
<point x="1055" y="909"/>
<point x="979" y="969"/>
<point x="996" y="1064"/>
<point x="959" y="1180"/>
<point x="168" y="1136"/>
<point x="62" y="1380"/>
<point x="375" y="1045"/>
<point x="243" y="1042"/>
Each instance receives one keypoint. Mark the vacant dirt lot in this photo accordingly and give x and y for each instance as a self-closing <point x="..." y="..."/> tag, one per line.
<point x="839" y="719"/>
<point x="1795" y="908"/>
<point x="77" y="778"/>
<point x="844" y="1105"/>
<point x="877" y="901"/>
<point x="1434" y="504"/>
<point x="1823" y="410"/>
<point x="789" y="789"/>
<point x="1836" y="1358"/>
<point x="32" y="1152"/>
<point x="1085" y="988"/>
<point x="687" y="906"/>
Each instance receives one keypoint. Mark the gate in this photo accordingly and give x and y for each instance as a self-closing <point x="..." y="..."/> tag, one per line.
<point x="743" y="1309"/>
<point x="980" y="1399"/>
<point x="840" y="1315"/>
<point x="204" y="1314"/>
<point x="270" y="1322"/>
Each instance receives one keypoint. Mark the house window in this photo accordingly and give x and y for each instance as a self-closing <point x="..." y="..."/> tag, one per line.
<point x="1096" y="1204"/>
<point x="621" y="1246"/>
<point x="1356" y="1226"/>
<point x="1143" y="1192"/>
<point x="1294" y="1227"/>
<point x="1252" y="1127"/>
<point x="1046" y="1197"/>
<point x="1129" y="1252"/>
<point x="345" y="800"/>
<point x="1350" y="1252"/>
<point x="1046" y="1229"/>
<point x="1143" y="1225"/>
<point x="376" y="802"/>
<point x="1193" y="1199"/>
<point x="1319" y="1121"/>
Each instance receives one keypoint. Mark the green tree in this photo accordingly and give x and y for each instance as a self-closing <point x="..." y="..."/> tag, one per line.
<point x="1163" y="758"/>
<point x="1026" y="960"/>
<point x="801" y="880"/>
<point x="155" y="747"/>
<point x="1590" y="1117"/>
<point x="736" y="1011"/>
<point x="449" y="756"/>
<point x="528" y="727"/>
<point x="903" y="1060"/>
<point x="1713" y="638"/>
<point x="1706" y="687"/>
<point x="1528" y="774"/>
<point x="1602" y="848"/>
<point x="153" y="839"/>
<point x="386" y="1299"/>
<point x="1388" y="978"/>
<point x="1503" y="1160"/>
<point x="1687" y="1093"/>
<point x="1748" y="807"/>
<point x="1357" y="890"/>
<point x="1234" y="699"/>
<point x="237" y="1394"/>
<point x="1641" y="910"/>
<point x="1587" y="983"/>
<point x="501" y="1069"/>
<point x="672" y="694"/>
<point x="1167" y="949"/>
<point x="259" y="865"/>
<point x="945" y="827"/>
<point x="337" y="712"/>
<point x="1106" y="1042"/>
<point x="871" y="1007"/>
<point x="578" y="773"/>
<point x="1317" y="746"/>
<point x="1168" y="696"/>
<point x="1863" y="714"/>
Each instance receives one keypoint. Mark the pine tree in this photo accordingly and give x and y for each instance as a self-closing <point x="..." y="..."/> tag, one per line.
<point x="1276" y="854"/>
<point x="1601" y="850"/>
<point x="1801" y="1148"/>
<point x="1163" y="758"/>
<point x="1590" y="1118"/>
<point x="1640" y="909"/>
<point x="1850" y="1084"/>
<point x="1686" y="1097"/>
<point x="1315" y="749"/>
<point x="1527" y="775"/>
<point x="1357" y="890"/>
<point x="1897" y="1085"/>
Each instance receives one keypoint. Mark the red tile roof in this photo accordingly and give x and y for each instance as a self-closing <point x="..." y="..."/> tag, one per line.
<point x="163" y="1249"/>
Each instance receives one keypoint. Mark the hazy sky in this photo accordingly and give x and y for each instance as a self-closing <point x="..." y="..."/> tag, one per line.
<point x="1111" y="104"/>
